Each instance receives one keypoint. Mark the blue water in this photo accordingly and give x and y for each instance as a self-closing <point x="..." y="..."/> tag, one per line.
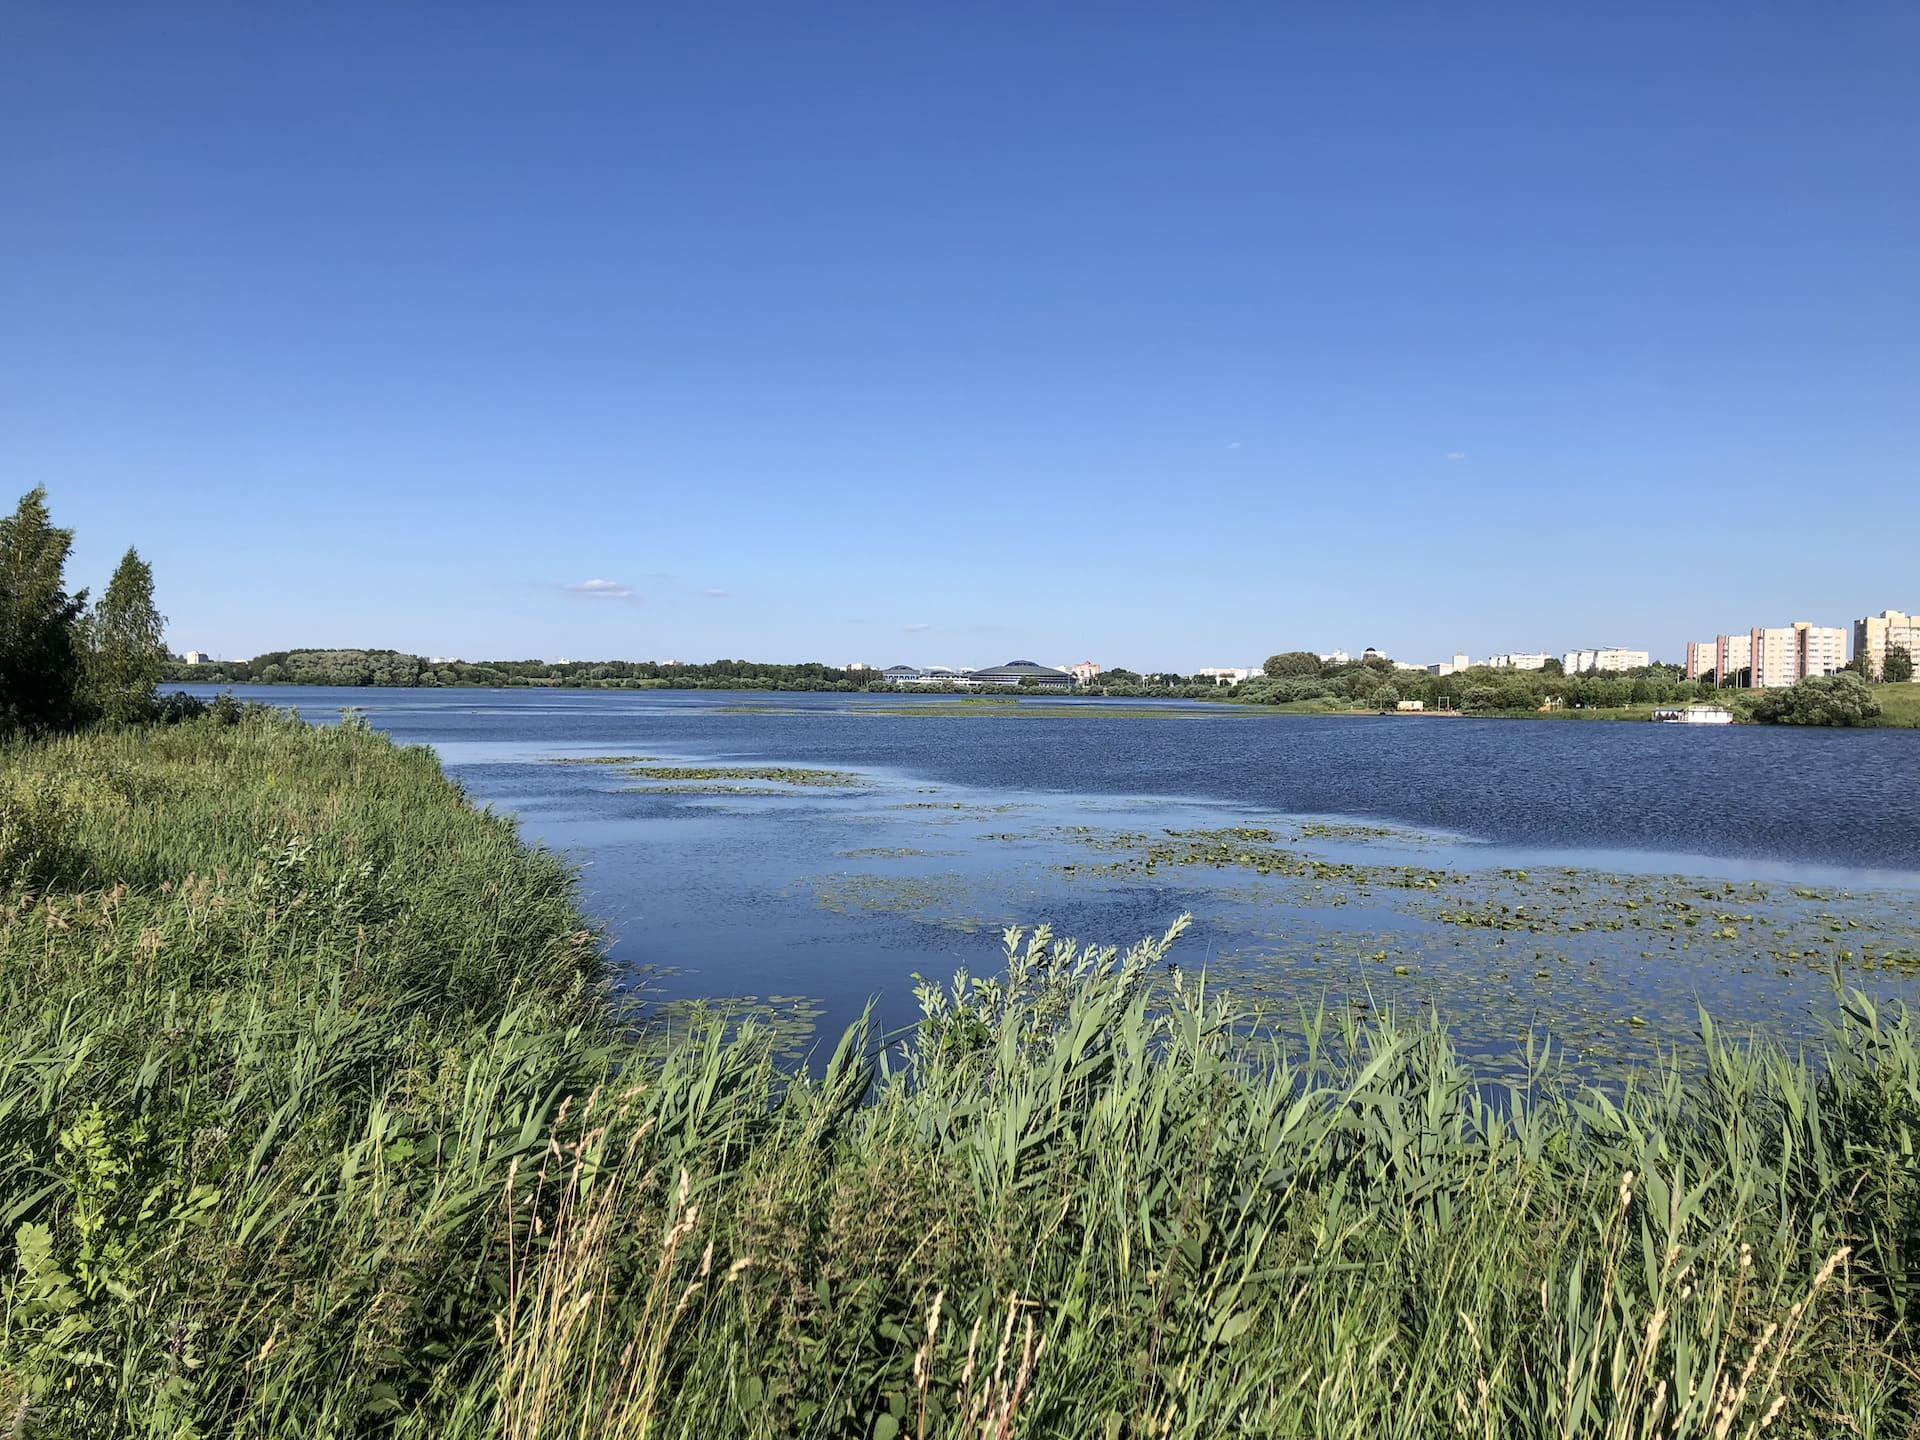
<point x="962" y="825"/>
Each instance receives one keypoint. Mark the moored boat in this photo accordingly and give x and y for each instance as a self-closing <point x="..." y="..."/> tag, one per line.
<point x="1695" y="715"/>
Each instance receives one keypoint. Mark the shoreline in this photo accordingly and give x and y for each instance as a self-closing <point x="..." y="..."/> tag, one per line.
<point x="1904" y="714"/>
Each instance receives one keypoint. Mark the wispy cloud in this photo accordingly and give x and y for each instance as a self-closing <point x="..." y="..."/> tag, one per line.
<point x="714" y="594"/>
<point x="1233" y="444"/>
<point x="916" y="627"/>
<point x="600" y="590"/>
<point x="1456" y="454"/>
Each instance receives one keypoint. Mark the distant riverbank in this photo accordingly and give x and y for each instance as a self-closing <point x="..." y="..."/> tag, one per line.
<point x="1358" y="688"/>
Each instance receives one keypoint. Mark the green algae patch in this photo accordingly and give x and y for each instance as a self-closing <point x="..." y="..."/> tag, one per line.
<point x="787" y="1024"/>
<point x="1258" y="849"/>
<point x="1026" y="710"/>
<point x="791" y="776"/>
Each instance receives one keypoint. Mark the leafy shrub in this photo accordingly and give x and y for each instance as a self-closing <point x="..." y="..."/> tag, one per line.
<point x="1843" y="699"/>
<point x="36" y="834"/>
<point x="178" y="707"/>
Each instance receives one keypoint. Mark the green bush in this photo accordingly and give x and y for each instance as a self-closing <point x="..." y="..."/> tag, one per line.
<point x="1843" y="699"/>
<point x="36" y="834"/>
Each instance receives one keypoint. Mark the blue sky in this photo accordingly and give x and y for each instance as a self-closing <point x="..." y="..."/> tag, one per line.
<point x="1165" y="336"/>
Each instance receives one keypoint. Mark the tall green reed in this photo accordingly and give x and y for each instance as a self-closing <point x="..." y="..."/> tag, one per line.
<point x="317" y="1117"/>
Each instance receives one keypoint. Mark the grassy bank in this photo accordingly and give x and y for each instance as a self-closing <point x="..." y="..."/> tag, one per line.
<point x="316" y="1119"/>
<point x="1899" y="705"/>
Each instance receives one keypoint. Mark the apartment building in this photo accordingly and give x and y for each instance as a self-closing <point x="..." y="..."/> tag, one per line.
<point x="1874" y="635"/>
<point x="1788" y="654"/>
<point x="1609" y="658"/>
<point x="1732" y="655"/>
<point x="1517" y="660"/>
<point x="1702" y="656"/>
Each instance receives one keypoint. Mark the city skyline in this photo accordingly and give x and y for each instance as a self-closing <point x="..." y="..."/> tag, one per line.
<point x="1697" y="657"/>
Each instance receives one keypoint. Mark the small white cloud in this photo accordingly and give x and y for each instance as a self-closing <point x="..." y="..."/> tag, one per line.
<point x="916" y="627"/>
<point x="600" y="590"/>
<point x="1456" y="455"/>
<point x="715" y="594"/>
<point x="1233" y="444"/>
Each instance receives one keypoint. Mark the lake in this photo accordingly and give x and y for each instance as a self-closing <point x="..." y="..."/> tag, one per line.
<point x="799" y="855"/>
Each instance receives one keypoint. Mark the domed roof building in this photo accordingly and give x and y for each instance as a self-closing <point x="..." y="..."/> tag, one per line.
<point x="1014" y="672"/>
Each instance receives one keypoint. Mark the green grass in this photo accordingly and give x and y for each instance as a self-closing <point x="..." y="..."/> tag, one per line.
<point x="1899" y="705"/>
<point x="317" y="1120"/>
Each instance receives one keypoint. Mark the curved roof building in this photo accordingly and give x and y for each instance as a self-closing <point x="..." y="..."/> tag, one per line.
<point x="1015" y="671"/>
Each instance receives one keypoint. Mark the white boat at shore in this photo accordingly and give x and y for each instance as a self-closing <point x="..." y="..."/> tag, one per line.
<point x="1695" y="715"/>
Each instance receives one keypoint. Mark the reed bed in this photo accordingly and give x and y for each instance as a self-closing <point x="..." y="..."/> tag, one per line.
<point x="318" y="1117"/>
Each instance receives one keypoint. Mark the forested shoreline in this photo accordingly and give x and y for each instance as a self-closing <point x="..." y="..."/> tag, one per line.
<point x="1297" y="681"/>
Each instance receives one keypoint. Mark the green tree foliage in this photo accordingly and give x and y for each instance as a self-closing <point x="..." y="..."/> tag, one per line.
<point x="1280" y="690"/>
<point x="1481" y="689"/>
<point x="394" y="668"/>
<point x="39" y="622"/>
<point x="1292" y="663"/>
<point x="1842" y="699"/>
<point x="1899" y="666"/>
<point x="125" y="645"/>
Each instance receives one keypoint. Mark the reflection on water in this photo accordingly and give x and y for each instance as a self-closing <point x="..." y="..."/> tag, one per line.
<point x="1602" y="881"/>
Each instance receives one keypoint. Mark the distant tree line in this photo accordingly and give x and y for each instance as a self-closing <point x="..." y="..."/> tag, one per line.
<point x="1296" y="676"/>
<point x="65" y="663"/>
<point x="397" y="668"/>
<point x="1300" y="675"/>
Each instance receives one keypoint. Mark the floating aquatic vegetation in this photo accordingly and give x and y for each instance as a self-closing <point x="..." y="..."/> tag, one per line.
<point x="799" y="777"/>
<point x="997" y="708"/>
<point x="787" y="1023"/>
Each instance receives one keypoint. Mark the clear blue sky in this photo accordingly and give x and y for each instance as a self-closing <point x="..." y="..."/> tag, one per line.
<point x="1159" y="335"/>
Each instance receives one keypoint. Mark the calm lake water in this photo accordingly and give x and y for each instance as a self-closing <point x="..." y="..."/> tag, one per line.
<point x="1601" y="880"/>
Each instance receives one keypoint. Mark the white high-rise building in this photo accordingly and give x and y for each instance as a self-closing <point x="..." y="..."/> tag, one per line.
<point x="1791" y="653"/>
<point x="1518" y="660"/>
<point x="1732" y="654"/>
<point x="1607" y="658"/>
<point x="1877" y="634"/>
